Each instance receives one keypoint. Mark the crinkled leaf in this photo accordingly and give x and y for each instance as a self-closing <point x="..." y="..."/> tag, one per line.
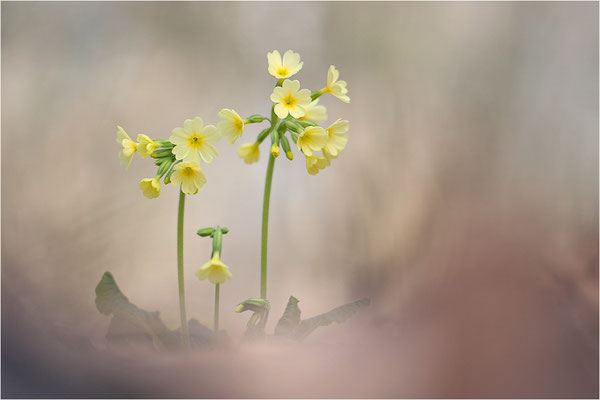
<point x="339" y="315"/>
<point x="290" y="318"/>
<point x="130" y="324"/>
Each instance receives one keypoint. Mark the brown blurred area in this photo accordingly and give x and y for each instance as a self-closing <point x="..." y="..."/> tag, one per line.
<point x="465" y="204"/>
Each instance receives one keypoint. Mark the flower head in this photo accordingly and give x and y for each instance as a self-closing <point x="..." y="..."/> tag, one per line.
<point x="231" y="126"/>
<point x="337" y="138"/>
<point x="192" y="142"/>
<point x="313" y="138"/>
<point x="145" y="145"/>
<point x="314" y="112"/>
<point x="249" y="152"/>
<point x="189" y="175"/>
<point x="150" y="187"/>
<point x="335" y="87"/>
<point x="290" y="99"/>
<point x="315" y="163"/>
<point x="285" y="68"/>
<point x="129" y="147"/>
<point x="215" y="271"/>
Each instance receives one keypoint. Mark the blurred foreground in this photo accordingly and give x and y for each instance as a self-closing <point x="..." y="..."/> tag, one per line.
<point x="465" y="204"/>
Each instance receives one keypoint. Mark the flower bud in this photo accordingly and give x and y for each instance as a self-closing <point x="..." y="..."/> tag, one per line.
<point x="255" y="118"/>
<point x="289" y="155"/>
<point x="275" y="150"/>
<point x="204" y="232"/>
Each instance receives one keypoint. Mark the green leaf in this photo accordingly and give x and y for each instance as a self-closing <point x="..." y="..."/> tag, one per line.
<point x="130" y="325"/>
<point x="339" y="315"/>
<point x="290" y="318"/>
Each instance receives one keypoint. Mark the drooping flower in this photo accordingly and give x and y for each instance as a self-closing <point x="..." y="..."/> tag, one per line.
<point x="313" y="138"/>
<point x="249" y="152"/>
<point x="337" y="138"/>
<point x="215" y="271"/>
<point x="290" y="99"/>
<point x="335" y="87"/>
<point x="232" y="125"/>
<point x="145" y="145"/>
<point x="189" y="175"/>
<point x="150" y="187"/>
<point x="314" y="112"/>
<point x="129" y="147"/>
<point x="285" y="68"/>
<point x="315" y="163"/>
<point x="192" y="142"/>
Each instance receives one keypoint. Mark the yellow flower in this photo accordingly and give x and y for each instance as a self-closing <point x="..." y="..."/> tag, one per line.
<point x="315" y="163"/>
<point x="335" y="87"/>
<point x="314" y="112"/>
<point x="150" y="187"/>
<point x="285" y="68"/>
<point x="275" y="150"/>
<point x="289" y="98"/>
<point x="189" y="175"/>
<point x="192" y="142"/>
<point x="145" y="145"/>
<point x="129" y="147"/>
<point x="215" y="271"/>
<point x="313" y="138"/>
<point x="249" y="152"/>
<point x="232" y="125"/>
<point x="337" y="138"/>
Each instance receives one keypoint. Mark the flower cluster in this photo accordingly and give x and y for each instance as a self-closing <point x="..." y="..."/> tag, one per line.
<point x="295" y="111"/>
<point x="177" y="159"/>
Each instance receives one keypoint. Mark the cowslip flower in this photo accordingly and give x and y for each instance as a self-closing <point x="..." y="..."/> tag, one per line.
<point x="275" y="150"/>
<point x="313" y="138"/>
<point x="285" y="68"/>
<point x="315" y="163"/>
<point x="337" y="138"/>
<point x="189" y="175"/>
<point x="314" y="112"/>
<point x="129" y="147"/>
<point x="145" y="145"/>
<point x="335" y="87"/>
<point x="215" y="271"/>
<point x="192" y="142"/>
<point x="232" y="125"/>
<point x="249" y="152"/>
<point x="150" y="187"/>
<point x="290" y="99"/>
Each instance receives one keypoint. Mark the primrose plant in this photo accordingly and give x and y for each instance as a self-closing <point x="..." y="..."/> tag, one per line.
<point x="295" y="112"/>
<point x="178" y="161"/>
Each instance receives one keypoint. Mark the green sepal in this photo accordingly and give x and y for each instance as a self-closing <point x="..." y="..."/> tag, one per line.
<point x="253" y="119"/>
<point x="285" y="143"/>
<point x="275" y="136"/>
<point x="294" y="137"/>
<point x="263" y="134"/>
<point x="306" y="124"/>
<point x="293" y="126"/>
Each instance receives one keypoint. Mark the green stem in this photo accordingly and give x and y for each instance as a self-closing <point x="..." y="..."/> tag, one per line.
<point x="265" y="229"/>
<point x="184" y="331"/>
<point x="217" y="289"/>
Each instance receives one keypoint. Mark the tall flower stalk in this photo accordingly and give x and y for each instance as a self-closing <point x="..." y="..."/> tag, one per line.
<point x="178" y="162"/>
<point x="295" y="112"/>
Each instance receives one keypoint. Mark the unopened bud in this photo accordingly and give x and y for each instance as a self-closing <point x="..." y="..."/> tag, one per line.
<point x="275" y="150"/>
<point x="289" y="155"/>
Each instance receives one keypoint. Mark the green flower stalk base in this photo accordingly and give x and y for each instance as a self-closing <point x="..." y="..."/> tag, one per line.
<point x="265" y="229"/>
<point x="184" y="330"/>
<point x="217" y="289"/>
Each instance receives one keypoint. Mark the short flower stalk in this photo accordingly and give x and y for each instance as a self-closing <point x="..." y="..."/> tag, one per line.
<point x="216" y="272"/>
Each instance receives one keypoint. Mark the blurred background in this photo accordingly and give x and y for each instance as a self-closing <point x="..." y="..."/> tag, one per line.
<point x="465" y="203"/>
